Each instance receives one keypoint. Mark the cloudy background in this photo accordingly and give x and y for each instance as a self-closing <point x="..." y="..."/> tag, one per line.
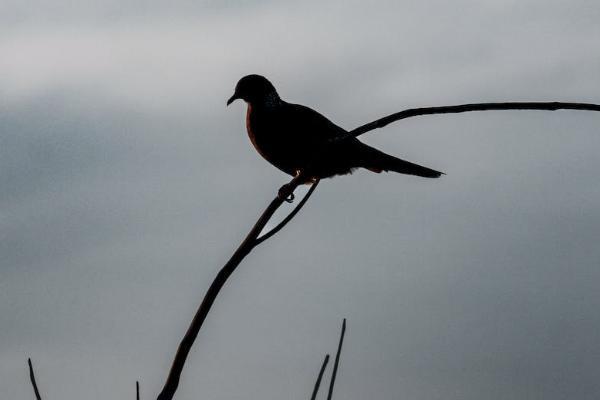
<point x="125" y="184"/>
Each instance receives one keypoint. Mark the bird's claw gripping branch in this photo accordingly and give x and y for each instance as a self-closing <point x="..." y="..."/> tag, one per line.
<point x="286" y="193"/>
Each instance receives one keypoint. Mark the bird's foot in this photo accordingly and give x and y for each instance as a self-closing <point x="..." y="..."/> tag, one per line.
<point x="286" y="193"/>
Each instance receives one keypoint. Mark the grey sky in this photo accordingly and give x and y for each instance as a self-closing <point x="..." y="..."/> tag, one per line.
<point x="125" y="183"/>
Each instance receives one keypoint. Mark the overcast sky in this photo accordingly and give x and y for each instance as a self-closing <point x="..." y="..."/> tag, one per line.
<point x="125" y="184"/>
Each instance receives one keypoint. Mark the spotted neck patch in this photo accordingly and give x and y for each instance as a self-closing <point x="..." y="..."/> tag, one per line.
<point x="272" y="100"/>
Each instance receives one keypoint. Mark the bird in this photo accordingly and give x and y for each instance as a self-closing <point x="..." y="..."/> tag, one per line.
<point x="297" y="139"/>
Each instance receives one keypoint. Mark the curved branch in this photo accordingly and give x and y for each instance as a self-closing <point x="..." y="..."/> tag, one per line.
<point x="242" y="251"/>
<point x="32" y="378"/>
<point x="289" y="217"/>
<point x="461" y="108"/>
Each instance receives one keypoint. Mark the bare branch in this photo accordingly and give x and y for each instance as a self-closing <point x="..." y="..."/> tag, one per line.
<point x="32" y="378"/>
<point x="414" y="112"/>
<point x="337" y="360"/>
<point x="242" y="251"/>
<point x="319" y="377"/>
<point x="289" y="217"/>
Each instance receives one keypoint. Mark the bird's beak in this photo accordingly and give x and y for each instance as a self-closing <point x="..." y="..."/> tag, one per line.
<point x="232" y="99"/>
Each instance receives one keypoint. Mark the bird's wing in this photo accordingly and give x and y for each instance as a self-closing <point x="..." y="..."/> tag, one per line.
<point x="311" y="129"/>
<point x="311" y="126"/>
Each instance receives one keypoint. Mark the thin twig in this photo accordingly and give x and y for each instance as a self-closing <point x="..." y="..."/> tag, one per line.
<point x="137" y="390"/>
<point x="414" y="112"/>
<point x="337" y="360"/>
<point x="242" y="251"/>
<point x="289" y="217"/>
<point x="32" y="378"/>
<point x="319" y="377"/>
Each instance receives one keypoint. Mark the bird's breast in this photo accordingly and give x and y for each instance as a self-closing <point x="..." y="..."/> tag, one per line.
<point x="251" y="130"/>
<point x="270" y="138"/>
<point x="260" y="132"/>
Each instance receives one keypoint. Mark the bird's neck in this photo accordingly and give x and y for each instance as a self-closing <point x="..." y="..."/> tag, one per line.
<point x="270" y="101"/>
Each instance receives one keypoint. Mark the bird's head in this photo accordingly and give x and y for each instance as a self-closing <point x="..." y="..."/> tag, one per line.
<point x="254" y="89"/>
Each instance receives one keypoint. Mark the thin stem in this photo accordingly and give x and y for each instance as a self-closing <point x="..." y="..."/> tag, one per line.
<point x="137" y="390"/>
<point x="337" y="360"/>
<point x="289" y="217"/>
<point x="32" y="378"/>
<point x="414" y="112"/>
<point x="319" y="377"/>
<point x="242" y="251"/>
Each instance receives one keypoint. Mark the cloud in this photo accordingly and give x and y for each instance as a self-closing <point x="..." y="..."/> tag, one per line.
<point x="126" y="183"/>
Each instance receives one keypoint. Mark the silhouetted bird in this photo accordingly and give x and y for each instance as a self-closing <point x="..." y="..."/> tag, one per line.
<point x="292" y="137"/>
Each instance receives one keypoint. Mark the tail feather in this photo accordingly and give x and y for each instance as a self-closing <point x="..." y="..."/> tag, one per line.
<point x="377" y="161"/>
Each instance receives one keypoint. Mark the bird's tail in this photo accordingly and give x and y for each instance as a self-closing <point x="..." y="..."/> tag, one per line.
<point x="377" y="161"/>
